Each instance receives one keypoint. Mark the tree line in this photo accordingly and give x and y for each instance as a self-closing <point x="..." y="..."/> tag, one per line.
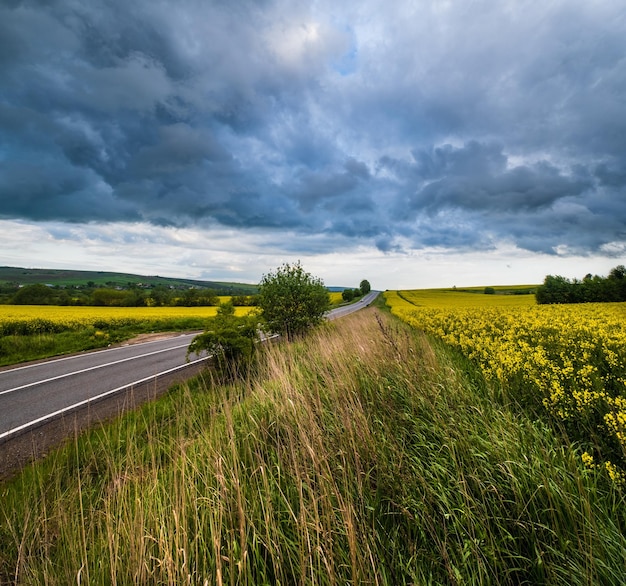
<point x="351" y="294"/>
<point x="135" y="296"/>
<point x="592" y="288"/>
<point x="131" y="296"/>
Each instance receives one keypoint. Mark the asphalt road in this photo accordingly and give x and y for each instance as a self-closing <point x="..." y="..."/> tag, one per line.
<point x="363" y="302"/>
<point x="34" y="394"/>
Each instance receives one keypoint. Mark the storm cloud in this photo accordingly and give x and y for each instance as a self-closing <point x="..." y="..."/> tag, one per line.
<point x="404" y="125"/>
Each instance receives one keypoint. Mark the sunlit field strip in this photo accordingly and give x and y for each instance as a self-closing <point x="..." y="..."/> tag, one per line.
<point x="335" y="297"/>
<point x="452" y="298"/>
<point x="570" y="357"/>
<point x="88" y="314"/>
<point x="48" y="319"/>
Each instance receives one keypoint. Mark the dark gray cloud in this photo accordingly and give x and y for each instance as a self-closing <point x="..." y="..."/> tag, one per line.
<point x="406" y="126"/>
<point x="477" y="177"/>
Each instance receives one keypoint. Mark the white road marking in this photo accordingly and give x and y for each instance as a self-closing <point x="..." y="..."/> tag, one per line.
<point x="82" y="355"/>
<point x="97" y="397"/>
<point x="35" y="422"/>
<point x="47" y="380"/>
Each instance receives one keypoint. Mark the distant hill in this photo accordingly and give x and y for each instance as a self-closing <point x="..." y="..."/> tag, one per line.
<point x="71" y="278"/>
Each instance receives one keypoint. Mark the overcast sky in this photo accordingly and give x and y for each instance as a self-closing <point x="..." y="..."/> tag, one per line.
<point x="413" y="143"/>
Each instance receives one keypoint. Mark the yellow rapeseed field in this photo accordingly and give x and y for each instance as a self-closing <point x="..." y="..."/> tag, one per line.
<point x="335" y="297"/>
<point x="571" y="357"/>
<point x="33" y="318"/>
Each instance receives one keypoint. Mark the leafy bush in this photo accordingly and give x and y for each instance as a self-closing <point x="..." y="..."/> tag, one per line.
<point x="292" y="300"/>
<point x="231" y="340"/>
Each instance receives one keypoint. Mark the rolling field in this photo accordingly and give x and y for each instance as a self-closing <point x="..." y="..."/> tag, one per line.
<point x="335" y="297"/>
<point x="31" y="332"/>
<point x="87" y="315"/>
<point x="568" y="361"/>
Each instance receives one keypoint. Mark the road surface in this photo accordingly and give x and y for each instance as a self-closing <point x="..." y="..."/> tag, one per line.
<point x="31" y="394"/>
<point x="35" y="395"/>
<point x="347" y="309"/>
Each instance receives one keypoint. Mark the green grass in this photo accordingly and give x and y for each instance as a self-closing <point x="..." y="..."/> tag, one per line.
<point x="365" y="454"/>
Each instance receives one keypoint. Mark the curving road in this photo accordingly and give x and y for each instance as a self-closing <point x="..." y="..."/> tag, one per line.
<point x="37" y="393"/>
<point x="360" y="304"/>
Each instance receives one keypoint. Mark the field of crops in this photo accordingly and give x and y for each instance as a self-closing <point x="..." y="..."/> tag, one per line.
<point x="335" y="297"/>
<point x="33" y="319"/>
<point x="32" y="332"/>
<point x="568" y="359"/>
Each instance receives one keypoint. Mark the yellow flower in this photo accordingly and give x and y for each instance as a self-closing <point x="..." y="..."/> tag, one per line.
<point x="572" y="357"/>
<point x="615" y="474"/>
<point x="588" y="460"/>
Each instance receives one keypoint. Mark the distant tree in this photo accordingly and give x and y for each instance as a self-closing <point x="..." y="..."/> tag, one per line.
<point x="617" y="279"/>
<point x="107" y="297"/>
<point x="134" y="297"/>
<point x="64" y="298"/>
<point x="229" y="339"/>
<point x="555" y="289"/>
<point x="244" y="300"/>
<point x="618" y="273"/>
<point x="190" y="298"/>
<point x="36" y="294"/>
<point x="160" y="295"/>
<point x="490" y="291"/>
<point x="347" y="294"/>
<point x="594" y="288"/>
<point x="365" y="287"/>
<point x="292" y="300"/>
<point x="7" y="291"/>
<point x="208" y="297"/>
<point x="241" y="300"/>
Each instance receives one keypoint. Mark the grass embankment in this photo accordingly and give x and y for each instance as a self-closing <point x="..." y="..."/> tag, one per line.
<point x="365" y="454"/>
